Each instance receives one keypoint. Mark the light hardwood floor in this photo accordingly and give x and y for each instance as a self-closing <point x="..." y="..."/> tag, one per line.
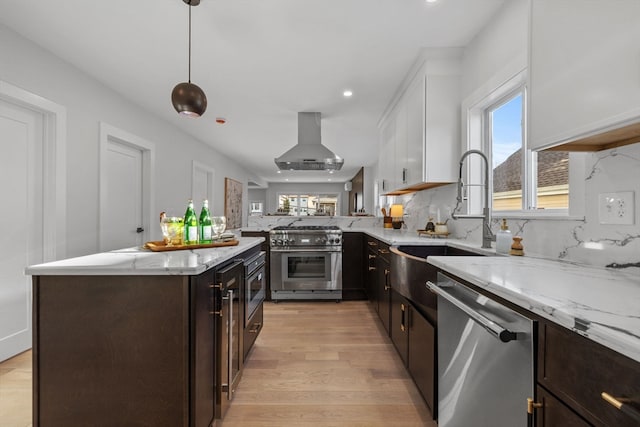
<point x="325" y="364"/>
<point x="314" y="364"/>
<point x="15" y="391"/>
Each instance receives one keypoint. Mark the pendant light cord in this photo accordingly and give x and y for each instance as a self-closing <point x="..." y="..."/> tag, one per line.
<point x="189" y="43"/>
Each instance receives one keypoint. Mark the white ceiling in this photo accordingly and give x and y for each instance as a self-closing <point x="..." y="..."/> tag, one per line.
<point x="260" y="62"/>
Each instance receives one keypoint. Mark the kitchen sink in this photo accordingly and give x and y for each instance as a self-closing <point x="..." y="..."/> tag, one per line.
<point x="410" y="273"/>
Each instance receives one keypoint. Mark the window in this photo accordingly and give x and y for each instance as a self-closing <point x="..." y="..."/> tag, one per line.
<point x="308" y="204"/>
<point x="548" y="187"/>
<point x="505" y="143"/>
<point x="521" y="180"/>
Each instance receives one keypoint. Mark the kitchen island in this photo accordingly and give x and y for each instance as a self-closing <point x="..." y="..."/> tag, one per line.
<point x="131" y="337"/>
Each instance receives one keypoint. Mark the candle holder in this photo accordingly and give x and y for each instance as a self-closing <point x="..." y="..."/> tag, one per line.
<point x="396" y="213"/>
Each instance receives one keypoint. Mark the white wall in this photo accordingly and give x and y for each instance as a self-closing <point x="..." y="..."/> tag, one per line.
<point x="88" y="102"/>
<point x="315" y="188"/>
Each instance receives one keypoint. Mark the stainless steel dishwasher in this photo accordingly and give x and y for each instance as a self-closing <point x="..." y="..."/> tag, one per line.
<point x="485" y="359"/>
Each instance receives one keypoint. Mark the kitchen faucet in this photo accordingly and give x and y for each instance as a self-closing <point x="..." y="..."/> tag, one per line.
<point x="487" y="234"/>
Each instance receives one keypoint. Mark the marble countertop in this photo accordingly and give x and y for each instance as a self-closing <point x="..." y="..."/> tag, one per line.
<point x="138" y="261"/>
<point x="405" y="237"/>
<point x="598" y="303"/>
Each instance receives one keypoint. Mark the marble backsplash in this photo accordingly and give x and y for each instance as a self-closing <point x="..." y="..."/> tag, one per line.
<point x="583" y="241"/>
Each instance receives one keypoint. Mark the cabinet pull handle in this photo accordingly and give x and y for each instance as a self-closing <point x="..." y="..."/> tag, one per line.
<point x="532" y="405"/>
<point x="256" y="327"/>
<point x="372" y="243"/>
<point x="622" y="404"/>
<point x="404" y="175"/>
<point x="372" y="268"/>
<point x="372" y="256"/>
<point x="402" y="328"/>
<point x="383" y="251"/>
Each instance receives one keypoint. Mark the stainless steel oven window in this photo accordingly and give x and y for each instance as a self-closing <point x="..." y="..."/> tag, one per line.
<point x="303" y="266"/>
<point x="306" y="266"/>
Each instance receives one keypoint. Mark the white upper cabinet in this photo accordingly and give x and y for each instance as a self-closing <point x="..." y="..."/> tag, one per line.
<point x="401" y="144"/>
<point x="386" y="157"/>
<point x="426" y="123"/>
<point x="442" y="129"/>
<point x="584" y="69"/>
<point x="411" y="168"/>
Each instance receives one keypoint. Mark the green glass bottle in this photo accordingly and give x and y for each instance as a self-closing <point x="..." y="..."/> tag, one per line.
<point x="205" y="223"/>
<point x="190" y="226"/>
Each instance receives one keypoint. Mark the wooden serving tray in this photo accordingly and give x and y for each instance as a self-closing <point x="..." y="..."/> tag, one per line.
<point x="431" y="233"/>
<point x="161" y="246"/>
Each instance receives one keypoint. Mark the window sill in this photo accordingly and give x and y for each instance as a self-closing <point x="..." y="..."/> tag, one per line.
<point x="552" y="216"/>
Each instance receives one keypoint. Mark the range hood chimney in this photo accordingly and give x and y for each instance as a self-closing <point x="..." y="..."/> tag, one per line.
<point x="309" y="153"/>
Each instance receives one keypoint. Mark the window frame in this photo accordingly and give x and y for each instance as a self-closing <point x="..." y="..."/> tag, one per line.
<point x="476" y="131"/>
<point x="298" y="196"/>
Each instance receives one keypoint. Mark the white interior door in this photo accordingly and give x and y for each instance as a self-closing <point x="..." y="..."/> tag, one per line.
<point x="121" y="208"/>
<point x="202" y="185"/>
<point x="21" y="145"/>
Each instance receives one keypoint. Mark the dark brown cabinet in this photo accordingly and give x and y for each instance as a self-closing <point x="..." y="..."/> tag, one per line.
<point x="352" y="266"/>
<point x="134" y="350"/>
<point x="399" y="330"/>
<point x="576" y="371"/>
<point x="421" y="361"/>
<point x="554" y="413"/>
<point x="370" y="275"/>
<point x="204" y="347"/>
<point x="383" y="287"/>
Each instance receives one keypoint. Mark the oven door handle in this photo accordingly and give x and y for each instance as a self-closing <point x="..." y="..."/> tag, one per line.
<point x="492" y="327"/>
<point x="306" y="250"/>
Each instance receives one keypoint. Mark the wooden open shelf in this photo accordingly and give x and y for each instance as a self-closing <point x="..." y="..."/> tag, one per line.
<point x="606" y="140"/>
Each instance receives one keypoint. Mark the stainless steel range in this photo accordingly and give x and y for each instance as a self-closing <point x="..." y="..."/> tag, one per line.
<point x="306" y="262"/>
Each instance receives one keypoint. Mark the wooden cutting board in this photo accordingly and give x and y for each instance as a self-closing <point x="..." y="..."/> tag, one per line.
<point x="161" y="246"/>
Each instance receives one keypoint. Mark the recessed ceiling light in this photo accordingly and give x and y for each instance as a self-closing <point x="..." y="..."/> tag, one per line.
<point x="279" y="171"/>
<point x="431" y="1"/>
<point x="347" y="93"/>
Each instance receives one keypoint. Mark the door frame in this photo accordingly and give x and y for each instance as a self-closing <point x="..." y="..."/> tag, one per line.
<point x="54" y="158"/>
<point x="109" y="133"/>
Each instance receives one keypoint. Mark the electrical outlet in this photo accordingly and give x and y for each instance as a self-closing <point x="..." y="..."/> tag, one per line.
<point x="616" y="208"/>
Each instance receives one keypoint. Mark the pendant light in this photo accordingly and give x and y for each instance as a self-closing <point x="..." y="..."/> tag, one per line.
<point x="187" y="98"/>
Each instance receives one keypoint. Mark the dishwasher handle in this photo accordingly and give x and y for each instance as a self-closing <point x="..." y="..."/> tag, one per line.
<point x="492" y="327"/>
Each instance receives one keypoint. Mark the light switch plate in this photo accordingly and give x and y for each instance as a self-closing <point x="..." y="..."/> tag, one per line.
<point x="616" y="208"/>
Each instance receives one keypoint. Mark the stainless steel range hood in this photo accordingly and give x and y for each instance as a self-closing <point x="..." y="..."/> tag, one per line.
<point x="309" y="153"/>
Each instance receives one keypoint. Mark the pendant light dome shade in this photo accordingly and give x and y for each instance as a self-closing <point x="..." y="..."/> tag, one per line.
<point x="189" y="100"/>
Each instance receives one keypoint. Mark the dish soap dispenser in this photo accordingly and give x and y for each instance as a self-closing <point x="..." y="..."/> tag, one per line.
<point x="503" y="239"/>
